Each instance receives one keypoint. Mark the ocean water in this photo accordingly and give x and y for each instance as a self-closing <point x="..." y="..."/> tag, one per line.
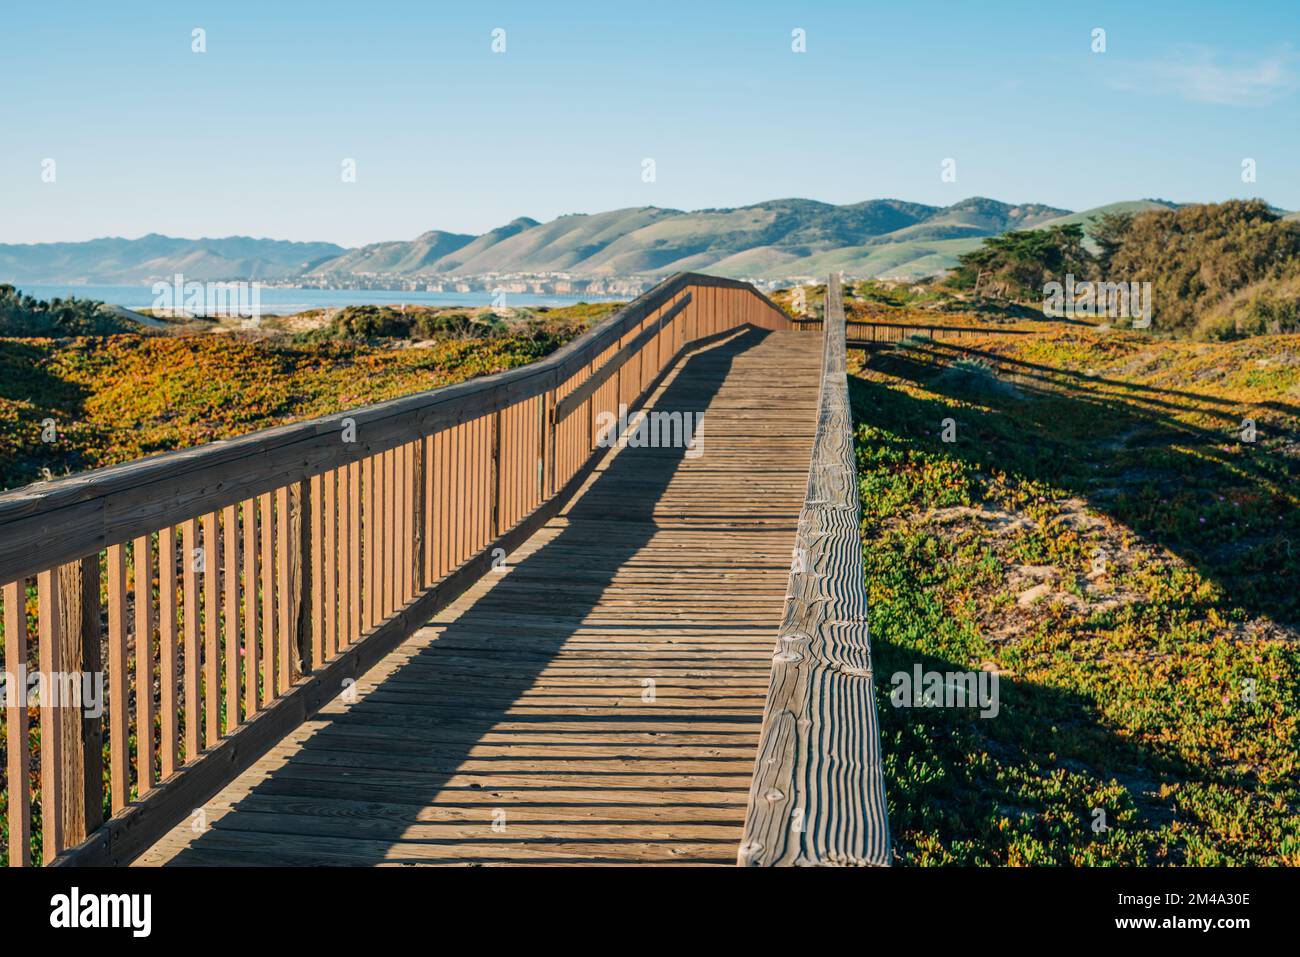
<point x="282" y="302"/>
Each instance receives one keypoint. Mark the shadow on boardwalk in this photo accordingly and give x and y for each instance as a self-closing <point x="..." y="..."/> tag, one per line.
<point x="416" y="769"/>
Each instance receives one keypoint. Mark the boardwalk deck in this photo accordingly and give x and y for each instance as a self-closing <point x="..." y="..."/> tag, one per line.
<point x="599" y="701"/>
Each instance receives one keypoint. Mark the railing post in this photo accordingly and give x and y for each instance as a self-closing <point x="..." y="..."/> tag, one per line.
<point x="82" y="737"/>
<point x="16" y="739"/>
<point x="48" y="618"/>
<point x="301" y="587"/>
<point x="496" y="475"/>
<point x="420" y="509"/>
<point x="548" y="446"/>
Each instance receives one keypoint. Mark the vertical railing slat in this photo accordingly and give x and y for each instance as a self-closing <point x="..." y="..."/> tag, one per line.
<point x="230" y="612"/>
<point x="266" y="530"/>
<point x="330" y="593"/>
<point x="167" y="665"/>
<point x="284" y="629"/>
<point x="142" y="556"/>
<point x="16" y="742"/>
<point x="252" y="664"/>
<point x="354" y="552"/>
<point x="47" y="600"/>
<point x="211" y="627"/>
<point x="190" y="599"/>
<point x="119" y="703"/>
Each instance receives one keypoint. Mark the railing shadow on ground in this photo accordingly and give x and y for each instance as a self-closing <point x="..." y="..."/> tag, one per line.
<point x="1047" y="435"/>
<point x="427" y="698"/>
<point x="954" y="776"/>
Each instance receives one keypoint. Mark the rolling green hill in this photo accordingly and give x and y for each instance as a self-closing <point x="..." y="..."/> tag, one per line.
<point x="117" y="260"/>
<point x="777" y="239"/>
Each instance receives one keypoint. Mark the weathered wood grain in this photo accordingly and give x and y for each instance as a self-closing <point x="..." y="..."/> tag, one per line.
<point x="16" y="747"/>
<point x="817" y="796"/>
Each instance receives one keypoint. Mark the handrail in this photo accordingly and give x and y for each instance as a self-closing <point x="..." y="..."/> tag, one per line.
<point x="818" y="796"/>
<point x="246" y="580"/>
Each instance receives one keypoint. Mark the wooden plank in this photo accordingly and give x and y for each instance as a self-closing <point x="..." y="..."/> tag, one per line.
<point x="119" y="702"/>
<point x="211" y="629"/>
<point x="330" y="592"/>
<point x="142" y="558"/>
<point x="286" y="575"/>
<point x="315" y="597"/>
<point x="192" y="558"/>
<point x="82" y="771"/>
<point x="494" y="478"/>
<point x="232" y="640"/>
<point x="817" y="796"/>
<point x="266" y="525"/>
<point x="430" y="512"/>
<point x="48" y="628"/>
<point x="419" y="514"/>
<point x="387" y="537"/>
<point x="169" y="709"/>
<point x="304" y="581"/>
<point x="17" y="749"/>
<point x="371" y="565"/>
<point x="252" y="664"/>
<point x="354" y="553"/>
<point x="407" y="512"/>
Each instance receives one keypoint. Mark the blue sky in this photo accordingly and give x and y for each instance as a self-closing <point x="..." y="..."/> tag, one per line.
<point x="249" y="137"/>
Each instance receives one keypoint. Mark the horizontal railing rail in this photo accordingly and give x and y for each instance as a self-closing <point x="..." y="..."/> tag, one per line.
<point x="818" y="796"/>
<point x="224" y="593"/>
<point x="859" y="333"/>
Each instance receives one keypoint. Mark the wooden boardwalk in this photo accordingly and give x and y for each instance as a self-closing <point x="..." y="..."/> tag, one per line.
<point x="597" y="702"/>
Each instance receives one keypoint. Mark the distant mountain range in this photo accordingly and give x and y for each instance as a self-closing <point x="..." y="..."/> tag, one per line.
<point x="778" y="239"/>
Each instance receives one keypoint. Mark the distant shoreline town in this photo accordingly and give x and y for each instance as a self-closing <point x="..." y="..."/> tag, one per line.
<point x="536" y="284"/>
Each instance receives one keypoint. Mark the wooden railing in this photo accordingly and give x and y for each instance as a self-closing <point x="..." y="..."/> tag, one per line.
<point x="818" y="795"/>
<point x="226" y="592"/>
<point x="865" y="333"/>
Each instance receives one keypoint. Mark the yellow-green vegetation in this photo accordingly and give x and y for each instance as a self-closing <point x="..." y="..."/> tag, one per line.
<point x="1102" y="534"/>
<point x="116" y="398"/>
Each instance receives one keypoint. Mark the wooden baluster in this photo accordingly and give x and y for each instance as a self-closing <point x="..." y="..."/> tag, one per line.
<point x="331" y="592"/>
<point x="47" y="591"/>
<point x="371" y="617"/>
<point x="304" y="581"/>
<point x="230" y="612"/>
<point x="82" y="749"/>
<point x="317" y="604"/>
<point x="168" y="706"/>
<point x="252" y="664"/>
<point x="401" y="549"/>
<point x="388" y="533"/>
<point x="142" y="556"/>
<point x="285" y="630"/>
<point x="425" y="452"/>
<point x="119" y="702"/>
<point x="190" y="580"/>
<point x="344" y="559"/>
<point x="267" y="561"/>
<point x="354" y="552"/>
<point x="211" y="630"/>
<point x="16" y="742"/>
